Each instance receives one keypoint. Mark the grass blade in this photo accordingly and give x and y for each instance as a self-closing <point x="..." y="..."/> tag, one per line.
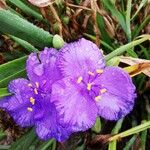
<point x="116" y="129"/>
<point x="12" y="67"/>
<point x="131" y="131"/>
<point x="128" y="15"/>
<point x="25" y="8"/>
<point x="4" y="92"/>
<point x="14" y="25"/>
<point x="124" y="48"/>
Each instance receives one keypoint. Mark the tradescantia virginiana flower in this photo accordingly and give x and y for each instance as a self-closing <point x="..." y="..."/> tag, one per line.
<point x="90" y="88"/>
<point x="30" y="104"/>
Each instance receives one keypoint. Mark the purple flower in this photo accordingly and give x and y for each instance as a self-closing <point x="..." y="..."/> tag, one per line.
<point x="30" y="104"/>
<point x="90" y="88"/>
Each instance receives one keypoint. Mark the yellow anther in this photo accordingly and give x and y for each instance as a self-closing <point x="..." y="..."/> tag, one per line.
<point x="103" y="91"/>
<point x="89" y="86"/>
<point x="90" y="73"/>
<point x="37" y="84"/>
<point x="79" y="79"/>
<point x="32" y="100"/>
<point x="97" y="98"/>
<point x="99" y="71"/>
<point x="29" y="109"/>
<point x="35" y="91"/>
<point x="30" y="85"/>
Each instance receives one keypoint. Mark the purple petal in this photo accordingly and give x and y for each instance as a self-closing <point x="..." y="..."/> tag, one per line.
<point x="43" y="70"/>
<point x="119" y="98"/>
<point x="113" y="107"/>
<point x="118" y="82"/>
<point x="17" y="104"/>
<point x="73" y="105"/>
<point x="47" y="125"/>
<point x="79" y="57"/>
<point x="18" y="110"/>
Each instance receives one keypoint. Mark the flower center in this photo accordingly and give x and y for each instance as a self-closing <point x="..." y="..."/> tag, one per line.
<point x="37" y="93"/>
<point x="92" y="85"/>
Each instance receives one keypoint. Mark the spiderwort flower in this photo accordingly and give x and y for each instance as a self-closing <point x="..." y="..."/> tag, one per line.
<point x="30" y="104"/>
<point x="89" y="88"/>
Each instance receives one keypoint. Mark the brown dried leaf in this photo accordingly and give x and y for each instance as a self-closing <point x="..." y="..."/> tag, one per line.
<point x="137" y="65"/>
<point x="41" y="3"/>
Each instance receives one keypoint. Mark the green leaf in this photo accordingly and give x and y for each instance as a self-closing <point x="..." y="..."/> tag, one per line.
<point x="25" y="141"/>
<point x="14" y="25"/>
<point x="116" y="129"/>
<point x="143" y="2"/>
<point x="12" y="67"/>
<point x="4" y="92"/>
<point x="25" y="8"/>
<point x="19" y="74"/>
<point x="130" y="143"/>
<point x="124" y="48"/>
<point x="97" y="126"/>
<point x="24" y="44"/>
<point x="128" y="16"/>
<point x="47" y="145"/>
<point x="101" y="25"/>
<point x="109" y="5"/>
<point x="131" y="131"/>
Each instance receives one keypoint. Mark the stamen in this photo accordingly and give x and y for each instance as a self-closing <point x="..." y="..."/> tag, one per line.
<point x="103" y="91"/>
<point x="89" y="86"/>
<point x="37" y="84"/>
<point x="99" y="71"/>
<point x="35" y="91"/>
<point x="79" y="79"/>
<point x="97" y="98"/>
<point x="30" y="85"/>
<point x="90" y="73"/>
<point x="30" y="109"/>
<point x="32" y="100"/>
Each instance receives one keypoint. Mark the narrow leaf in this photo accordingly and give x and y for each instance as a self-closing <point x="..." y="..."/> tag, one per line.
<point x="14" y="25"/>
<point x="124" y="48"/>
<point x="131" y="131"/>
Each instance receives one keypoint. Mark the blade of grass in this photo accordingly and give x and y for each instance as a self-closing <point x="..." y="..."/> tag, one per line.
<point x="97" y="126"/>
<point x="14" y="25"/>
<point x="4" y="92"/>
<point x="144" y="22"/>
<point x="120" y="18"/>
<point x="124" y="48"/>
<point x="128" y="16"/>
<point x="26" y="9"/>
<point x="12" y="67"/>
<point x="24" y="44"/>
<point x="25" y="141"/>
<point x="143" y="139"/>
<point x="46" y="145"/>
<point x="130" y="143"/>
<point x="131" y="131"/>
<point x="113" y="145"/>
<point x="19" y="74"/>
<point x="143" y="2"/>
